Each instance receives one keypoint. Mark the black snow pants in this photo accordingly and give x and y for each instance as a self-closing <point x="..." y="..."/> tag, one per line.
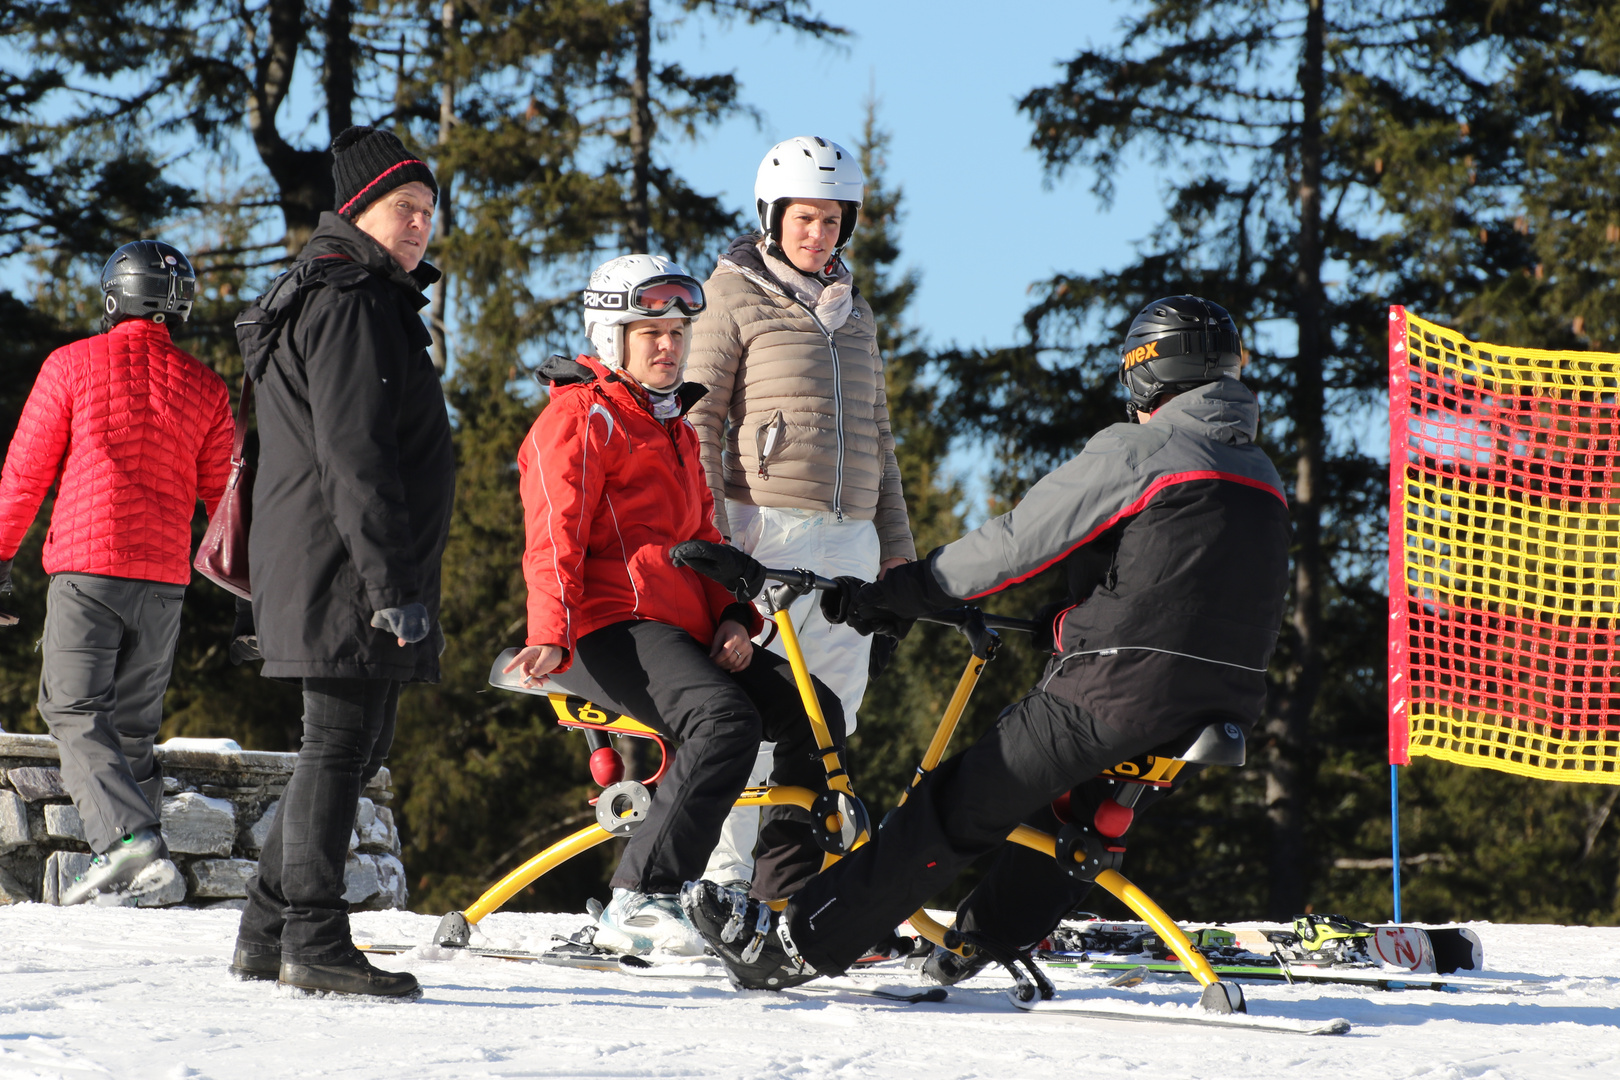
<point x="295" y="902"/>
<point x="1040" y="747"/>
<point x="663" y="677"/>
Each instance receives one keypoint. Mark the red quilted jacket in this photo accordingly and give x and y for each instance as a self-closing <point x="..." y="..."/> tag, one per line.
<point x="607" y="491"/>
<point x="139" y="431"/>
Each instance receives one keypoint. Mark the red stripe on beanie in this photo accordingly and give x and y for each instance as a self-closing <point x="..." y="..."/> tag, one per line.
<point x="392" y="168"/>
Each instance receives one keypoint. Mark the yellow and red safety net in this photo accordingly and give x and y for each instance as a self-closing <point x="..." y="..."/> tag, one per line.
<point x="1504" y="554"/>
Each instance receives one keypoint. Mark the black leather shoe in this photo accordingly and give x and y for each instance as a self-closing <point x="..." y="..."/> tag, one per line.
<point x="252" y="966"/>
<point x="351" y="975"/>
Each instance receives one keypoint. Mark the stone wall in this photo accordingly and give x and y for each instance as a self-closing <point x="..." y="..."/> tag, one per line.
<point x="218" y="804"/>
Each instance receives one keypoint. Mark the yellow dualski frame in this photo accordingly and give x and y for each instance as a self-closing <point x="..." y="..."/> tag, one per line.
<point x="838" y="780"/>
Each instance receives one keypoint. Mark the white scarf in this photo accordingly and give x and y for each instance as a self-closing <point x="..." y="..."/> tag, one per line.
<point x="832" y="300"/>
<point x="665" y="404"/>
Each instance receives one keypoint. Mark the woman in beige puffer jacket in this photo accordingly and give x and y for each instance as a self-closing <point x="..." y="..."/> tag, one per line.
<point x="795" y="428"/>
<point x="796" y="415"/>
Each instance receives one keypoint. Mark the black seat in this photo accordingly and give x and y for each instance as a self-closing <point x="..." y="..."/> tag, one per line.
<point x="1219" y="742"/>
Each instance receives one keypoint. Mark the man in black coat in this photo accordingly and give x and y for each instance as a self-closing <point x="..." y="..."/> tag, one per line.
<point x="350" y="513"/>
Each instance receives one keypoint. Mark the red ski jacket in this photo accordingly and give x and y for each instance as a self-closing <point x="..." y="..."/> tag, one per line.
<point x="607" y="490"/>
<point x="139" y="431"/>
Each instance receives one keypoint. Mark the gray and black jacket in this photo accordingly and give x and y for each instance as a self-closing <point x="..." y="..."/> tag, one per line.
<point x="1175" y="538"/>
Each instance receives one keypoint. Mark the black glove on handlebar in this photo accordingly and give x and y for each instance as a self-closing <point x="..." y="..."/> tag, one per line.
<point x="863" y="606"/>
<point x="836" y="604"/>
<point x="737" y="572"/>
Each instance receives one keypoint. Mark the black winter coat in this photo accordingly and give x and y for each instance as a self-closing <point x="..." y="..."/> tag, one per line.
<point x="356" y="470"/>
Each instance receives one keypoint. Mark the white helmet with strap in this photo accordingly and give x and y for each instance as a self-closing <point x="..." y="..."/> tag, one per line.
<point x="808" y="167"/>
<point x="634" y="287"/>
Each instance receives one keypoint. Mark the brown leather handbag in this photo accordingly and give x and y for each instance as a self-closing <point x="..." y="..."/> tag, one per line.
<point x="222" y="557"/>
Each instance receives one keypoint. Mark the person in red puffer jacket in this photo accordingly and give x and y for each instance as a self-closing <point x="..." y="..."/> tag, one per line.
<point x="137" y="430"/>
<point x="611" y="479"/>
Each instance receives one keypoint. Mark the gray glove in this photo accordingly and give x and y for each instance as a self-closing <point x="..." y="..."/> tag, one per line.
<point x="8" y="607"/>
<point x="408" y="623"/>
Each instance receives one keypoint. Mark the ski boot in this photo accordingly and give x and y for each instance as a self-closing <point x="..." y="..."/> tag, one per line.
<point x="1333" y="939"/>
<point x="132" y="861"/>
<point x="750" y="939"/>
<point x="948" y="968"/>
<point x="640" y="923"/>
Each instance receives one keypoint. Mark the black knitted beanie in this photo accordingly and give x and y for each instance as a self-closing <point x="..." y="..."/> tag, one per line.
<point x="368" y="163"/>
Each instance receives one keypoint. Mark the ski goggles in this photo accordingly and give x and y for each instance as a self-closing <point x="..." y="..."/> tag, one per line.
<point x="655" y="298"/>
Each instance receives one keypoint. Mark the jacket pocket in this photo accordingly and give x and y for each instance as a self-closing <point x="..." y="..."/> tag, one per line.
<point x="768" y="439"/>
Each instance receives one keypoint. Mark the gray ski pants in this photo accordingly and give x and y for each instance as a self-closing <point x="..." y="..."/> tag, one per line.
<point x="108" y="646"/>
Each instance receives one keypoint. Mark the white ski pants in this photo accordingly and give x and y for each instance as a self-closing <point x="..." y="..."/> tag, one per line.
<point x="837" y="655"/>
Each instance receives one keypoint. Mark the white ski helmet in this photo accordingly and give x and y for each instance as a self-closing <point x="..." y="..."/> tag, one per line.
<point x="808" y="167"/>
<point x="633" y="287"/>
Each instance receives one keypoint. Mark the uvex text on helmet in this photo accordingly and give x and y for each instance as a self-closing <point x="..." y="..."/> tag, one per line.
<point x="1175" y="344"/>
<point x="147" y="279"/>
<point x="808" y="167"/>
<point x="633" y="287"/>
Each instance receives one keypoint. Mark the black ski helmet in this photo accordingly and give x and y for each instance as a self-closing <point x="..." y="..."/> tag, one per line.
<point x="1175" y="344"/>
<point x="147" y="279"/>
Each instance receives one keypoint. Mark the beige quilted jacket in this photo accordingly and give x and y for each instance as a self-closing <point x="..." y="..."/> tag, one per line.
<point x="794" y="417"/>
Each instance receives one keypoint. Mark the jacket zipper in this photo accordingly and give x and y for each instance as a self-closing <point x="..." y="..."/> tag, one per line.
<point x="838" y="386"/>
<point x="838" y="411"/>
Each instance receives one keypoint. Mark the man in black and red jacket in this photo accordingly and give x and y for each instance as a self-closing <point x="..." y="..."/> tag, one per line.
<point x="1174" y="533"/>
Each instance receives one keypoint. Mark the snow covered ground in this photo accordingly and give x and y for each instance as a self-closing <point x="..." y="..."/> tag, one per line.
<point x="97" y="992"/>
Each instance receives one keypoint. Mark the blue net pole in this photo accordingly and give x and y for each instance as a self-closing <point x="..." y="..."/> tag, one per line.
<point x="1395" y="833"/>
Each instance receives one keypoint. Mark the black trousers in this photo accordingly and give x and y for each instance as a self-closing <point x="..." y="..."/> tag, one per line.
<point x="663" y="677"/>
<point x="295" y="902"/>
<point x="1041" y="747"/>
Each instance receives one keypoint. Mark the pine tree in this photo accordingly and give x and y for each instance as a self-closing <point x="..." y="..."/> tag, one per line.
<point x="1318" y="161"/>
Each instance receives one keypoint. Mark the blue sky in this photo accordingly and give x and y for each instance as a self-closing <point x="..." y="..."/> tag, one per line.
<point x="979" y="223"/>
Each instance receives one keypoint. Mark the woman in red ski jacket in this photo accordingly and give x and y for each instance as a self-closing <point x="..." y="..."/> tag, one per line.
<point x="611" y="480"/>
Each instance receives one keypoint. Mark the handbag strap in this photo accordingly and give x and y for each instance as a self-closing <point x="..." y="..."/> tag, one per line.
<point x="244" y="409"/>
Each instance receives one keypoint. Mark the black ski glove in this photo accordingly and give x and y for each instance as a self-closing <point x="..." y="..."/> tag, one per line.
<point x="863" y="606"/>
<point x="408" y="624"/>
<point x="837" y="604"/>
<point x="244" y="635"/>
<point x="8" y="606"/>
<point x="737" y="571"/>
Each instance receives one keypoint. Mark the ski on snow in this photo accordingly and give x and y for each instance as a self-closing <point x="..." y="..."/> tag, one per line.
<point x="695" y="967"/>
<point x="1373" y="977"/>
<point x="1174" y="1013"/>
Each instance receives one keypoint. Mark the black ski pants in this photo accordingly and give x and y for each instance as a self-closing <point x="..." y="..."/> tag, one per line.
<point x="295" y="903"/>
<point x="1040" y="747"/>
<point x="663" y="677"/>
<point x="1024" y="894"/>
